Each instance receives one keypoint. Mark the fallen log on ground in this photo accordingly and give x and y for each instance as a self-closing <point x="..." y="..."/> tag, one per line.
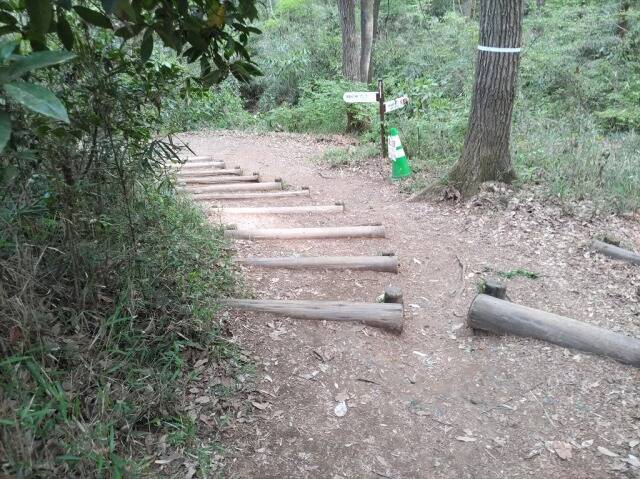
<point x="615" y="252"/>
<point x="307" y="233"/>
<point x="284" y="210"/>
<point x="216" y="180"/>
<point x="503" y="317"/>
<point x="387" y="316"/>
<point x="250" y="196"/>
<point x="387" y="264"/>
<point x="205" y="174"/>
<point x="266" y="186"/>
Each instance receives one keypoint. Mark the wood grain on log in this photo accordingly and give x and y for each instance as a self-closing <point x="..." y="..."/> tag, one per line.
<point x="307" y="233"/>
<point x="216" y="180"/>
<point x="206" y="174"/>
<point x="201" y="166"/>
<point x="386" y="316"/>
<point x="615" y="252"/>
<point x="359" y="263"/>
<point x="266" y="186"/>
<point x="250" y="196"/>
<point x="284" y="210"/>
<point x="502" y="317"/>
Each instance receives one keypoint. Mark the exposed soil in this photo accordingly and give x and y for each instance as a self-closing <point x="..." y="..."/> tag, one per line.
<point x="437" y="401"/>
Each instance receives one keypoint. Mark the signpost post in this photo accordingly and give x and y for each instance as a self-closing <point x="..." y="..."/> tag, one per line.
<point x="383" y="107"/>
<point x="383" y="143"/>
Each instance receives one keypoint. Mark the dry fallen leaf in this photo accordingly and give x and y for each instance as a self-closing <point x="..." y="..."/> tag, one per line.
<point x="203" y="399"/>
<point x="562" y="449"/>
<point x="466" y="439"/>
<point x="260" y="405"/>
<point x="606" y="452"/>
<point x="633" y="460"/>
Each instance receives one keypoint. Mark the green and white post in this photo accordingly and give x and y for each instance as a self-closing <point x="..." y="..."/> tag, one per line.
<point x="399" y="164"/>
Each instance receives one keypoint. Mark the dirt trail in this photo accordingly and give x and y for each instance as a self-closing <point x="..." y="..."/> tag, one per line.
<point x="436" y="401"/>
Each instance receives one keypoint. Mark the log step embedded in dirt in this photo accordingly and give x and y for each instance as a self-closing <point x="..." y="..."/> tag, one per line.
<point x="198" y="158"/>
<point x="387" y="316"/>
<point x="193" y="167"/>
<point x="503" y="317"/>
<point x="376" y="231"/>
<point x="388" y="264"/>
<point x="283" y="210"/>
<point x="266" y="186"/>
<point x="251" y="196"/>
<point x="206" y="174"/>
<point x="216" y="180"/>
<point x="615" y="252"/>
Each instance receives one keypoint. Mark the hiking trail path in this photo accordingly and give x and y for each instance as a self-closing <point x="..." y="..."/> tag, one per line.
<point x="437" y="401"/>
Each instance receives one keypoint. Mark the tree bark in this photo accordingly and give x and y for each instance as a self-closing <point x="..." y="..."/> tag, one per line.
<point x="486" y="155"/>
<point x="366" y="38"/>
<point x="350" y="57"/>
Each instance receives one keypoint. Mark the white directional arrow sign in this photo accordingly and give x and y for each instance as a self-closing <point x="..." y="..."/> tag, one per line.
<point x="395" y="104"/>
<point x="360" y="97"/>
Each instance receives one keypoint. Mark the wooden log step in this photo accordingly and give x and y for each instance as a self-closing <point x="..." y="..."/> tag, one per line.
<point x="387" y="264"/>
<point x="199" y="164"/>
<point x="214" y="180"/>
<point x="214" y="165"/>
<point x="206" y="174"/>
<point x="284" y="210"/>
<point x="266" y="186"/>
<point x="251" y="196"/>
<point x="615" y="252"/>
<point x="199" y="158"/>
<point x="387" y="316"/>
<point x="503" y="317"/>
<point x="375" y="231"/>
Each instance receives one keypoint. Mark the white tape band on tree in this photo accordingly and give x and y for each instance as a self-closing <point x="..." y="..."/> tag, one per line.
<point x="498" y="49"/>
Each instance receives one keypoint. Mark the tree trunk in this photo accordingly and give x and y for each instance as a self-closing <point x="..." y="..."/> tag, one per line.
<point x="366" y="38"/>
<point x="350" y="57"/>
<point x="623" y="21"/>
<point x="376" y="11"/>
<point x="486" y="155"/>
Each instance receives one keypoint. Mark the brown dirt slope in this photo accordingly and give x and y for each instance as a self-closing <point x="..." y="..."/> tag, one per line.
<point x="436" y="401"/>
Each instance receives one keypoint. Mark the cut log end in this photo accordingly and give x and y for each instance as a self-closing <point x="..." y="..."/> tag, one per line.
<point x="494" y="288"/>
<point x="393" y="294"/>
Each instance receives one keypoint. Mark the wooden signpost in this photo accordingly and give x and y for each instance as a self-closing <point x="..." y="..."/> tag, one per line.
<point x="383" y="107"/>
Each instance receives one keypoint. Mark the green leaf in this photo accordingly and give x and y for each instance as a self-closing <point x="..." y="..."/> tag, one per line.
<point x="129" y="31"/>
<point x="147" y="45"/>
<point x="6" y="48"/>
<point x="65" y="34"/>
<point x="34" y="61"/>
<point x="5" y="129"/>
<point x="40" y="16"/>
<point x="7" y="19"/>
<point x="93" y="17"/>
<point x="38" y="99"/>
<point x="64" y="4"/>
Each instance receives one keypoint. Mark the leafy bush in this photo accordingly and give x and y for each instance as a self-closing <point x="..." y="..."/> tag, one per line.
<point x="321" y="109"/>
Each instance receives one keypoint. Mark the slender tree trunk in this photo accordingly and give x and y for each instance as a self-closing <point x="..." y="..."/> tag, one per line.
<point x="366" y="38"/>
<point x="623" y="21"/>
<point x="350" y="50"/>
<point x="486" y="155"/>
<point x="376" y="11"/>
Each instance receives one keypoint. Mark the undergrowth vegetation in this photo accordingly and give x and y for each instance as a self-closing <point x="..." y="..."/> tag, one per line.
<point x="576" y="116"/>
<point x="109" y="280"/>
